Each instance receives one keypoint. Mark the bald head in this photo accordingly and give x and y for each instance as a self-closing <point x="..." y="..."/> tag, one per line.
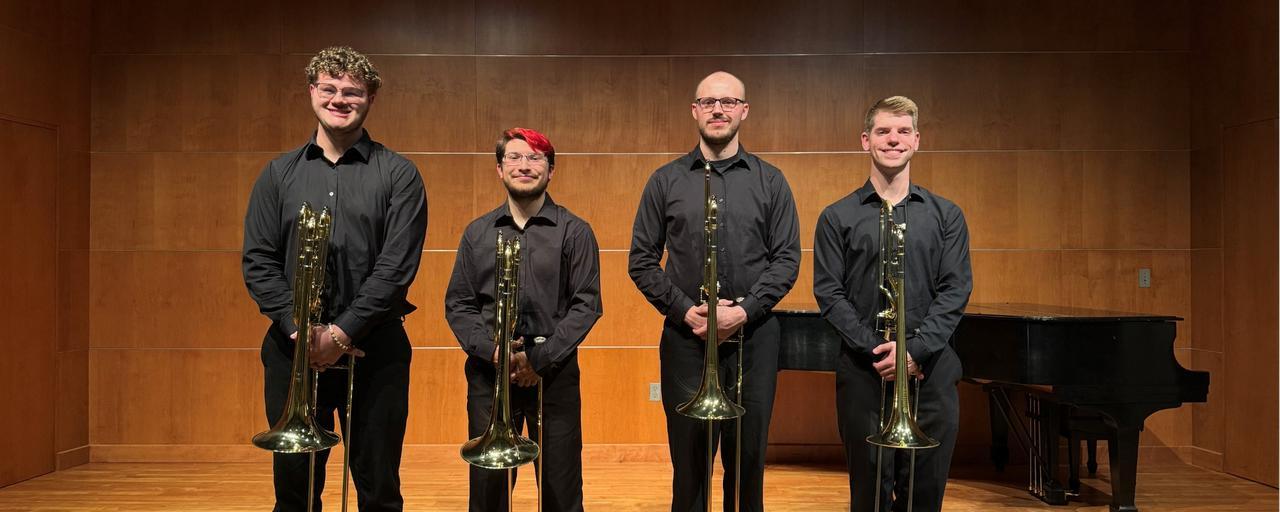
<point x="721" y="84"/>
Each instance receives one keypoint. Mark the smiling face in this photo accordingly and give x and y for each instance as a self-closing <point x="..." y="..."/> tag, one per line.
<point x="340" y="104"/>
<point x="524" y="177"/>
<point x="718" y="125"/>
<point x="892" y="141"/>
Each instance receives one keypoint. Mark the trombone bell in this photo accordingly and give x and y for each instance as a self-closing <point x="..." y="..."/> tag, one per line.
<point x="499" y="448"/>
<point x="298" y="435"/>
<point x="903" y="433"/>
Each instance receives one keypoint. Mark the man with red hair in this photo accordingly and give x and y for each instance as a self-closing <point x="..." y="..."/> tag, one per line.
<point x="559" y="302"/>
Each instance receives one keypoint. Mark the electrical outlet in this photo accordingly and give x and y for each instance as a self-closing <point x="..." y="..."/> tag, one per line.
<point x="1144" y="278"/>
<point x="655" y="392"/>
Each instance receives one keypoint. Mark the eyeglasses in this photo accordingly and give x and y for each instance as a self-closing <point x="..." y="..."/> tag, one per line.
<point x="533" y="158"/>
<point x="709" y="104"/>
<point x="326" y="92"/>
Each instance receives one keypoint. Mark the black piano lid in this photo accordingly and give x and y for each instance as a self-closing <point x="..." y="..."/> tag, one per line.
<point x="1047" y="313"/>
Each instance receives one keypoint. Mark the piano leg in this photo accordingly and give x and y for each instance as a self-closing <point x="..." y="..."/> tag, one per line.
<point x="999" y="432"/>
<point x="1123" y="453"/>
<point x="1049" y="423"/>
<point x="1073" y="463"/>
<point x="1093" y="456"/>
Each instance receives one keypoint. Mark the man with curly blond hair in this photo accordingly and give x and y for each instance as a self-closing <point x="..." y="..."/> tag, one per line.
<point x="379" y="210"/>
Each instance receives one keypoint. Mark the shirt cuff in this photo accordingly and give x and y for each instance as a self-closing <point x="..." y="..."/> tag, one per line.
<point x="919" y="353"/>
<point x="537" y="359"/>
<point x="752" y="307"/>
<point x="484" y="351"/>
<point x="285" y="324"/>
<point x="679" y="308"/>
<point x="352" y="326"/>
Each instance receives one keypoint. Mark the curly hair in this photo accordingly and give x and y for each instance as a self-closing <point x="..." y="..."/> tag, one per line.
<point x="899" y="105"/>
<point x="337" y="61"/>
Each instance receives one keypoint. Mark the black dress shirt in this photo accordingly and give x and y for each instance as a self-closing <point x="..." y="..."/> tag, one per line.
<point x="379" y="209"/>
<point x="758" y="235"/>
<point x="846" y="254"/>
<point x="559" y="284"/>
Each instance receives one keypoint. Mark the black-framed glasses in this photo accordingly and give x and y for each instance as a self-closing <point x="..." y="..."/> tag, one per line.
<point x="533" y="158"/>
<point x="709" y="104"/>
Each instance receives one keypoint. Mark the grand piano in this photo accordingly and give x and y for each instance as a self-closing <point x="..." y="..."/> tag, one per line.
<point x="1084" y="374"/>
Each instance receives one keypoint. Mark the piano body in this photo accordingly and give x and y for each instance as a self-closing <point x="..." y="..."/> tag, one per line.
<point x="1085" y="373"/>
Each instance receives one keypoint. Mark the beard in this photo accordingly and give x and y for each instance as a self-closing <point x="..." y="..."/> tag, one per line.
<point x="526" y="193"/>
<point x="718" y="140"/>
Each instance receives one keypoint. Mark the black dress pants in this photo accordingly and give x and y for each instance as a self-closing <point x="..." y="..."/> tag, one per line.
<point x="561" y="436"/>
<point x="858" y="409"/>
<point x="378" y="417"/>
<point x="681" y="355"/>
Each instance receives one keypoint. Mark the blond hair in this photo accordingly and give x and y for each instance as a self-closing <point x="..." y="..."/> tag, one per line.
<point x="337" y="61"/>
<point x="900" y="105"/>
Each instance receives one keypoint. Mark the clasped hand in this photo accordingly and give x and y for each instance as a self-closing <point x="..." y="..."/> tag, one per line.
<point x="887" y="365"/>
<point x="324" y="352"/>
<point x="729" y="319"/>
<point x="522" y="373"/>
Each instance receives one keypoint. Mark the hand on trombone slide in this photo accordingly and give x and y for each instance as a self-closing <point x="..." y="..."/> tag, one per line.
<point x="886" y="366"/>
<point x="522" y="373"/>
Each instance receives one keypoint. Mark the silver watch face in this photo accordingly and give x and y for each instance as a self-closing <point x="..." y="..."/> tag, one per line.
<point x="539" y="340"/>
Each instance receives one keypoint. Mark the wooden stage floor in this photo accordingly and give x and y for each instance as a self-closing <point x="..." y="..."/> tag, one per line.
<point x="608" y="486"/>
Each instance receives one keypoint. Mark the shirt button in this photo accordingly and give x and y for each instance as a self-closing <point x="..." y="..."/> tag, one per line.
<point x="331" y="194"/>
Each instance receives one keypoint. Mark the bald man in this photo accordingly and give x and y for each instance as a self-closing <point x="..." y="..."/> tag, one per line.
<point x="758" y="259"/>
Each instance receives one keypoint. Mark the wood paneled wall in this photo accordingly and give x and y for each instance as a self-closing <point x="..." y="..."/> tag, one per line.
<point x="44" y="137"/>
<point x="1061" y="129"/>
<point x="1234" y="172"/>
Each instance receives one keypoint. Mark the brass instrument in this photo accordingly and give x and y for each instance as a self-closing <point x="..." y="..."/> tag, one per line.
<point x="500" y="447"/>
<point x="710" y="402"/>
<point x="899" y="430"/>
<point x="296" y="430"/>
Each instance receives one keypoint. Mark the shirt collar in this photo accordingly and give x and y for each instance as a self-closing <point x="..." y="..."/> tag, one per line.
<point x="867" y="193"/>
<point x="739" y="159"/>
<point x="549" y="214"/>
<point x="360" y="150"/>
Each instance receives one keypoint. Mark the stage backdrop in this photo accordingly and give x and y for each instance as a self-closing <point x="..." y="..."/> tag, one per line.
<point x="1074" y="135"/>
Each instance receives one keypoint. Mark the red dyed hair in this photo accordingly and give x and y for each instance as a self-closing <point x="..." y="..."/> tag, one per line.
<point x="537" y="141"/>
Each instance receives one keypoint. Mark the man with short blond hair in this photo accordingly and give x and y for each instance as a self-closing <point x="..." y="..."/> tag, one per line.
<point x="379" y="210"/>
<point x="938" y="280"/>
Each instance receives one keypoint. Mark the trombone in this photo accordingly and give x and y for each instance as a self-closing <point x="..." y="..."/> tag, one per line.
<point x="710" y="402"/>
<point x="296" y="430"/>
<point x="899" y="430"/>
<point x="499" y="447"/>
